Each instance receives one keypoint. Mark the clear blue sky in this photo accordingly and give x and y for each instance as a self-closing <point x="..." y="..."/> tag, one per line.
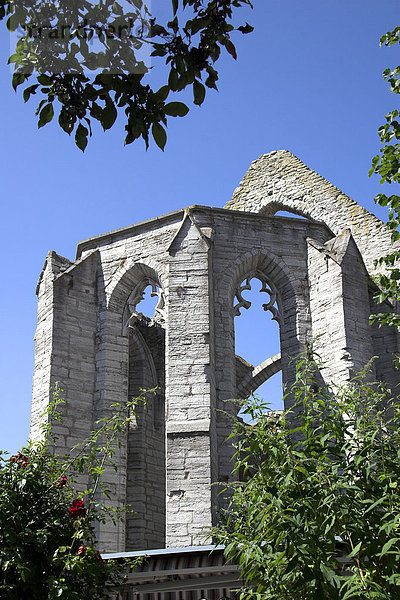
<point x="308" y="79"/>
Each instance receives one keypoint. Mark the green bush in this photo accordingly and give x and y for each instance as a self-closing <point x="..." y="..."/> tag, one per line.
<point x="316" y="512"/>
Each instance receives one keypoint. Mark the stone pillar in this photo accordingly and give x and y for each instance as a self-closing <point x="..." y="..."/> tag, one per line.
<point x="42" y="379"/>
<point x="190" y="393"/>
<point x="339" y="307"/>
<point x="112" y="387"/>
<point x="65" y="347"/>
<point x="65" y="351"/>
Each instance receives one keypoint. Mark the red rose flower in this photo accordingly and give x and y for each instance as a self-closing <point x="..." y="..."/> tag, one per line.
<point x="21" y="459"/>
<point x="81" y="550"/>
<point x="61" y="482"/>
<point x="77" y="508"/>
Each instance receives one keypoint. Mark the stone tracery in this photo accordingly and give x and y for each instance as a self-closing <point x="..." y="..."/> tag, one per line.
<point x="132" y="315"/>
<point x="266" y="287"/>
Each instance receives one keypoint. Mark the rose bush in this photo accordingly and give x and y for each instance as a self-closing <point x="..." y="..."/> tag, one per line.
<point x="47" y="541"/>
<point x="44" y="553"/>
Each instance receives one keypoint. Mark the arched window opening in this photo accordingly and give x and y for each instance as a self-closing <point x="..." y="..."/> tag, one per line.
<point x="148" y="305"/>
<point x="144" y="321"/>
<point x="289" y="213"/>
<point x="145" y="304"/>
<point x="257" y="340"/>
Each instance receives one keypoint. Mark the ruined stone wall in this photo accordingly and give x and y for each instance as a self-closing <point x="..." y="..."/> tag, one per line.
<point x="339" y="308"/>
<point x="91" y="339"/>
<point x="280" y="181"/>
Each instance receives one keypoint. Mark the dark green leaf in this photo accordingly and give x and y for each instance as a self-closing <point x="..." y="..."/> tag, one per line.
<point x="330" y="575"/>
<point x="246" y="28"/>
<point x="199" y="92"/>
<point x="159" y="135"/>
<point x="388" y="545"/>
<point x="176" y="109"/>
<point x="173" y="80"/>
<point x="162" y="94"/>
<point x="66" y="121"/>
<point x="81" y="136"/>
<point x="45" y="79"/>
<point x="46" y="115"/>
<point x="231" y="49"/>
<point x="108" y="116"/>
<point x="17" y="79"/>
<point x="29" y="91"/>
<point x="355" y="550"/>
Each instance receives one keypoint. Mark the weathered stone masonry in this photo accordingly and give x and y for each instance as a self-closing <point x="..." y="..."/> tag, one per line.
<point x="92" y="340"/>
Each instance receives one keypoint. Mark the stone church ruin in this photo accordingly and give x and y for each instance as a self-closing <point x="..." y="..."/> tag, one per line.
<point x="316" y="277"/>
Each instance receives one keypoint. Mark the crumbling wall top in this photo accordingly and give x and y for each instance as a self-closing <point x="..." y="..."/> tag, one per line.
<point x="281" y="181"/>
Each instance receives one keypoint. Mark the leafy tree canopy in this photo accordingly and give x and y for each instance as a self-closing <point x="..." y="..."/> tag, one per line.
<point x="89" y="60"/>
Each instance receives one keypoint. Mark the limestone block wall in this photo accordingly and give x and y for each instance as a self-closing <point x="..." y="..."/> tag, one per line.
<point x="127" y="263"/>
<point x="246" y="245"/>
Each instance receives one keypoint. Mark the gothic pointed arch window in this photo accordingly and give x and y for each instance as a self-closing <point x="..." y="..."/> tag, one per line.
<point x="144" y="325"/>
<point x="257" y="339"/>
